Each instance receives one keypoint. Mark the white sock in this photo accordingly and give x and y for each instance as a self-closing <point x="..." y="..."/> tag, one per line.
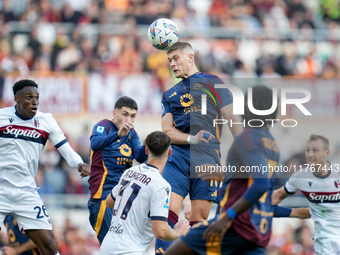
<point x="57" y="253"/>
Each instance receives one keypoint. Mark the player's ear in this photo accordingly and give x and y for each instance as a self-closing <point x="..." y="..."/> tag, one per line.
<point x="170" y="151"/>
<point x="16" y="99"/>
<point x="113" y="113"/>
<point x="146" y="150"/>
<point x="191" y="56"/>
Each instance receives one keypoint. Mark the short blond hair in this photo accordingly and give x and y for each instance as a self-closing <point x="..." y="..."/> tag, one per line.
<point x="182" y="46"/>
<point x="323" y="139"/>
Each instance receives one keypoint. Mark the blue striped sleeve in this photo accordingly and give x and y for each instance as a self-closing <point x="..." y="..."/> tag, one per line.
<point x="159" y="218"/>
<point x="61" y="143"/>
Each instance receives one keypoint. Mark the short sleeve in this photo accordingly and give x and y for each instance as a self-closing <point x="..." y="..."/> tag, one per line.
<point x="222" y="96"/>
<point x="165" y="106"/>
<point x="160" y="201"/>
<point x="290" y="185"/>
<point x="114" y="192"/>
<point x="225" y="97"/>
<point x="100" y="129"/>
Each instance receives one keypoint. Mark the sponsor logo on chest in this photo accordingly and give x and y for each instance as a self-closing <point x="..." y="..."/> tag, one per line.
<point x="20" y="131"/>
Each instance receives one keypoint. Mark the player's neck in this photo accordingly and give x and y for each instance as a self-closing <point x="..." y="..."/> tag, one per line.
<point x="190" y="73"/>
<point x="158" y="162"/>
<point x="323" y="170"/>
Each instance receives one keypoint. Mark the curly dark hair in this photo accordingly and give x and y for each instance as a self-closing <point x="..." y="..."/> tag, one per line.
<point x="19" y="85"/>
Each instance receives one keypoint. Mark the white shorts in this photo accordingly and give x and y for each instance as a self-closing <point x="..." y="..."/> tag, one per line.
<point x="26" y="206"/>
<point x="327" y="246"/>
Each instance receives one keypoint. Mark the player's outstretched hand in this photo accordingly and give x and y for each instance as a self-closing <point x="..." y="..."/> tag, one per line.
<point x="124" y="129"/>
<point x="210" y="172"/>
<point x="181" y="226"/>
<point x="7" y="250"/>
<point x="205" y="136"/>
<point x="201" y="136"/>
<point x="84" y="169"/>
<point x="217" y="229"/>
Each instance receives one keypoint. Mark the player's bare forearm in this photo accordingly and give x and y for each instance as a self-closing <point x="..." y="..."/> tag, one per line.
<point x="163" y="231"/>
<point x="302" y="213"/>
<point x="110" y="202"/>
<point x="233" y="120"/>
<point x="235" y="129"/>
<point x="241" y="205"/>
<point x="176" y="136"/>
<point x="278" y="195"/>
<point x="180" y="138"/>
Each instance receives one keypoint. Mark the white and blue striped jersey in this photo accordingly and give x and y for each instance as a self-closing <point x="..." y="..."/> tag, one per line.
<point x="323" y="196"/>
<point x="21" y="143"/>
<point x="142" y="195"/>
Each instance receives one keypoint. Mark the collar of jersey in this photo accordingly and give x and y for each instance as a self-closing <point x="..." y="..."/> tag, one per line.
<point x="151" y="166"/>
<point x="21" y="117"/>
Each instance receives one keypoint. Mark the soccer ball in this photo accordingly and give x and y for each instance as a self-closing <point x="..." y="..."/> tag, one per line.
<point x="163" y="33"/>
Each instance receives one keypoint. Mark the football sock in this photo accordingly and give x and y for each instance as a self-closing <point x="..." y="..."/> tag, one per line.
<point x="161" y="246"/>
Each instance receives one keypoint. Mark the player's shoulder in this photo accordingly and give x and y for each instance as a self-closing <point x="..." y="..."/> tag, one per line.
<point x="207" y="75"/>
<point x="7" y="110"/>
<point x="153" y="172"/>
<point x="252" y="138"/>
<point x="302" y="174"/>
<point x="133" y="133"/>
<point x="173" y="89"/>
<point x="46" y="115"/>
<point x="247" y="137"/>
<point x="209" y="78"/>
<point x="104" y="123"/>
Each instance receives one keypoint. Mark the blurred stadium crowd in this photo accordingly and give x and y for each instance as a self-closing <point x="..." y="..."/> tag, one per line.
<point x="235" y="38"/>
<point x="239" y="38"/>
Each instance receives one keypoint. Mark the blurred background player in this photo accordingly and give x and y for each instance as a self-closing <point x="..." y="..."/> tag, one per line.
<point x="18" y="243"/>
<point x="141" y="203"/>
<point x="114" y="144"/>
<point x="183" y="122"/>
<point x="320" y="183"/>
<point x="244" y="226"/>
<point x="23" y="133"/>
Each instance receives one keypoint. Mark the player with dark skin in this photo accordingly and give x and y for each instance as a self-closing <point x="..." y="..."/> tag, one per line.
<point x="27" y="101"/>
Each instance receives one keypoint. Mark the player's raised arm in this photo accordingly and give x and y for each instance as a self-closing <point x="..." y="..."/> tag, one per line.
<point x="227" y="113"/>
<point x="178" y="137"/>
<point x="278" y="195"/>
<point x="74" y="160"/>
